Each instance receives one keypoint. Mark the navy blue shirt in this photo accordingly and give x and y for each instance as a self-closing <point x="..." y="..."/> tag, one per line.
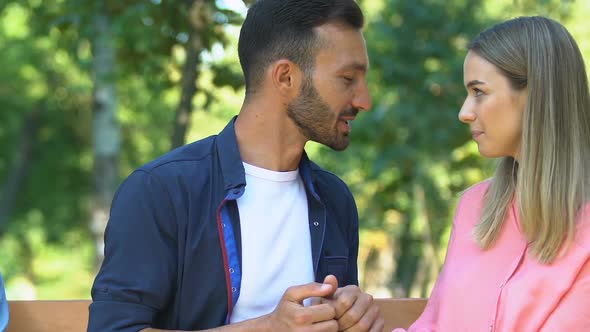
<point x="173" y="247"/>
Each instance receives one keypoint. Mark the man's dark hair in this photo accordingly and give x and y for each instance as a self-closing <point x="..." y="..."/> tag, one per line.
<point x="283" y="29"/>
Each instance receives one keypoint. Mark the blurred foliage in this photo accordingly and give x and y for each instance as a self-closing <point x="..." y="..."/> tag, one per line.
<point x="415" y="156"/>
<point x="409" y="160"/>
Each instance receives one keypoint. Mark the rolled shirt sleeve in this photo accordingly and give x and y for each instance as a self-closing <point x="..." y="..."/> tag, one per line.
<point x="138" y="274"/>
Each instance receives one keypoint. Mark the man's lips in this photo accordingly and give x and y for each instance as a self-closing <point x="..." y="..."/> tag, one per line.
<point x="347" y="122"/>
<point x="347" y="116"/>
<point x="476" y="133"/>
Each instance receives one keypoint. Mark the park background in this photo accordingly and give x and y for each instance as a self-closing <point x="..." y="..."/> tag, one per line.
<point x="90" y="90"/>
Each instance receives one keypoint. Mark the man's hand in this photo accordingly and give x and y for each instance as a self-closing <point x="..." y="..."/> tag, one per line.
<point x="355" y="310"/>
<point x="291" y="315"/>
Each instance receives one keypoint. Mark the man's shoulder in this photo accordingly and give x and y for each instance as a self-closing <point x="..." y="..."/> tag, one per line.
<point x="329" y="181"/>
<point x="185" y="166"/>
<point x="188" y="155"/>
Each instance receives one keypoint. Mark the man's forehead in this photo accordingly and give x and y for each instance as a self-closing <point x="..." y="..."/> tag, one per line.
<point x="344" y="46"/>
<point x="335" y="29"/>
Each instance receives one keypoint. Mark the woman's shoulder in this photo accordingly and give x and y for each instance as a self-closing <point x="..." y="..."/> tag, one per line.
<point x="475" y="193"/>
<point x="582" y="236"/>
<point x="470" y="204"/>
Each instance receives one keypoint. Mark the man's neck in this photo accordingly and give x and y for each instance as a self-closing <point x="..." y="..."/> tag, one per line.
<point x="267" y="138"/>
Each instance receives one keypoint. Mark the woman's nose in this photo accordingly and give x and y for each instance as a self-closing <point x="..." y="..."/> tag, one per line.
<point x="466" y="114"/>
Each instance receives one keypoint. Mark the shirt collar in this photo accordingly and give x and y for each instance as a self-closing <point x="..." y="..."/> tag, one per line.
<point x="230" y="160"/>
<point x="229" y="157"/>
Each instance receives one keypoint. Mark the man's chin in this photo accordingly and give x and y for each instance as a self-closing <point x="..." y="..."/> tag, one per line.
<point x="341" y="145"/>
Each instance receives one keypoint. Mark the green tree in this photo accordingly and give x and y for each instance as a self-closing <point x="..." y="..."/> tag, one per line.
<point x="59" y="56"/>
<point x="410" y="156"/>
<point x="409" y="160"/>
<point x="131" y="38"/>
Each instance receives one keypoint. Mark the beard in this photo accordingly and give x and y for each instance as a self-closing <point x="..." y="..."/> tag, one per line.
<point x="316" y="120"/>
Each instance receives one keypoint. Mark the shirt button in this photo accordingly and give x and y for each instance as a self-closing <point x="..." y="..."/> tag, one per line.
<point x="315" y="223"/>
<point x="231" y="270"/>
<point x="233" y="289"/>
<point x="223" y="225"/>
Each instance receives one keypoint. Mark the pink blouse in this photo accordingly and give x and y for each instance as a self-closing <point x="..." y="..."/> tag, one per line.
<point x="504" y="288"/>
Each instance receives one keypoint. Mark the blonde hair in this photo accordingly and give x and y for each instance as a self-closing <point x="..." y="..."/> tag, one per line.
<point x="550" y="180"/>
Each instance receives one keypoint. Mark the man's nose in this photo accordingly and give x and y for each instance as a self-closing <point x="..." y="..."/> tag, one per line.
<point x="362" y="98"/>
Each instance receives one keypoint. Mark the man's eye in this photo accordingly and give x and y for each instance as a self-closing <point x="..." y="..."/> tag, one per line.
<point x="477" y="92"/>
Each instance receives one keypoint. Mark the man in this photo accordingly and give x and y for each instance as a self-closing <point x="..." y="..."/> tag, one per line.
<point x="229" y="233"/>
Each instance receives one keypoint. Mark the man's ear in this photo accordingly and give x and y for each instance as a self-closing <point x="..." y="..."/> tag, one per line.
<point x="286" y="78"/>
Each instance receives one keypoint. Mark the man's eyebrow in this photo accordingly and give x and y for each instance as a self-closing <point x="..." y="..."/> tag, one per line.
<point x="473" y="83"/>
<point x="356" y="66"/>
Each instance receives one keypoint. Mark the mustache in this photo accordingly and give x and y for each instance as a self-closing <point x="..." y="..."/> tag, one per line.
<point x="353" y="111"/>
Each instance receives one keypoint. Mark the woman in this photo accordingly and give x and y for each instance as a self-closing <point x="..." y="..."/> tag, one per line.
<point x="519" y="253"/>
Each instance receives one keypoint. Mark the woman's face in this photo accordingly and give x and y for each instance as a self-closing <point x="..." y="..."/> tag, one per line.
<point x="492" y="109"/>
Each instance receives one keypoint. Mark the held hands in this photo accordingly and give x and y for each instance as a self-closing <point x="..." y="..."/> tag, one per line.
<point x="291" y="315"/>
<point x="334" y="309"/>
<point x="355" y="310"/>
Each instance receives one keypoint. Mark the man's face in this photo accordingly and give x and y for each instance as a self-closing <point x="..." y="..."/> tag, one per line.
<point x="337" y="89"/>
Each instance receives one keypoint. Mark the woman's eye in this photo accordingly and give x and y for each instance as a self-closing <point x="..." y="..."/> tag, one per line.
<point x="477" y="92"/>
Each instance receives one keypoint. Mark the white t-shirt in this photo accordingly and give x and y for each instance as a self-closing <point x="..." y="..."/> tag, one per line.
<point x="276" y="244"/>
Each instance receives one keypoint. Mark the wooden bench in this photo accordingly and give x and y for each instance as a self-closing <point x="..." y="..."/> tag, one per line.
<point x="72" y="315"/>
<point x="48" y="316"/>
<point x="400" y="312"/>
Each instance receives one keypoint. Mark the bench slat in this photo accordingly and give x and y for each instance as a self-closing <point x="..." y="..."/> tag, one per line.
<point x="400" y="312"/>
<point x="72" y="315"/>
<point x="48" y="316"/>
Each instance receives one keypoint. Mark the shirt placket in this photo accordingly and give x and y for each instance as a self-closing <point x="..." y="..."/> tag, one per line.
<point x="230" y="252"/>
<point x="317" y="228"/>
<point x="511" y="272"/>
<point x="317" y="217"/>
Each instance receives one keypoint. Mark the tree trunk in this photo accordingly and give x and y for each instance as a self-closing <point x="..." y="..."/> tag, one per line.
<point x="429" y="265"/>
<point x="199" y="17"/>
<point x="18" y="172"/>
<point x="105" y="128"/>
